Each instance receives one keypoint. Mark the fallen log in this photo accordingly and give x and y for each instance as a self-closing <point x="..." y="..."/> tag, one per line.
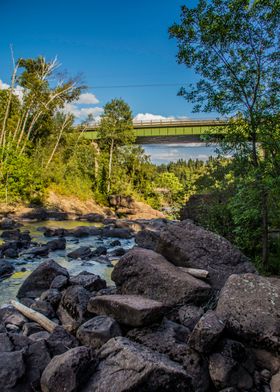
<point x="42" y="320"/>
<point x="197" y="273"/>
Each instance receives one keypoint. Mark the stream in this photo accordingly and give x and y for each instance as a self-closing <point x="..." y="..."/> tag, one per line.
<point x="25" y="265"/>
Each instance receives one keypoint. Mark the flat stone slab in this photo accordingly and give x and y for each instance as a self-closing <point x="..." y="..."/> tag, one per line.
<point x="132" y="310"/>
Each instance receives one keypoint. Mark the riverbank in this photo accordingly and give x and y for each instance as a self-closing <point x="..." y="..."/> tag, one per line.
<point x="176" y="317"/>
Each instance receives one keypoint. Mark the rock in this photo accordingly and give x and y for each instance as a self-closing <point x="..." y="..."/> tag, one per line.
<point x="116" y="233"/>
<point x="10" y="253"/>
<point x="58" y="244"/>
<point x="89" y="281"/>
<point x="37" y="358"/>
<point x="51" y="232"/>
<point x="38" y="251"/>
<point x="167" y="338"/>
<point x="275" y="383"/>
<point x="72" y="311"/>
<point x="147" y="273"/>
<point x="19" y="341"/>
<point x="12" y="369"/>
<point x="8" y="224"/>
<point x="69" y="371"/>
<point x="99" y="251"/>
<point x="85" y="231"/>
<point x="118" y="252"/>
<point x="111" y="290"/>
<point x="16" y="235"/>
<point x="42" y="335"/>
<point x="60" y="282"/>
<point x="84" y="252"/>
<point x="115" y="243"/>
<point x="9" y="315"/>
<point x="189" y="315"/>
<point x="128" y="366"/>
<point x="267" y="359"/>
<point x="97" y="331"/>
<point x="40" y="279"/>
<point x="6" y="269"/>
<point x="187" y="245"/>
<point x="31" y="328"/>
<point x="60" y="341"/>
<point x="206" y="333"/>
<point x="44" y="308"/>
<point x="5" y="343"/>
<point x="130" y="310"/>
<point x="52" y="296"/>
<point x="231" y="366"/>
<point x="93" y="217"/>
<point x="250" y="305"/>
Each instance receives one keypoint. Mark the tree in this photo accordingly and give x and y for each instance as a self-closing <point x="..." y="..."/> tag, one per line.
<point x="116" y="129"/>
<point x="234" y="46"/>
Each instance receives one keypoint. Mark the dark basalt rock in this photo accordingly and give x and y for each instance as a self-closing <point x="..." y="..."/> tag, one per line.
<point x="94" y="218"/>
<point x="189" y="315"/>
<point x="250" y="305"/>
<point x="60" y="341"/>
<point x="131" y="310"/>
<point x="72" y="310"/>
<point x="40" y="279"/>
<point x="12" y="369"/>
<point x="206" y="333"/>
<point x="57" y="244"/>
<point x="44" y="308"/>
<point x="128" y="366"/>
<point x="9" y="315"/>
<point x="117" y="233"/>
<point x="10" y="253"/>
<point x="144" y="272"/>
<point x="89" y="281"/>
<point x="52" y="296"/>
<point x="187" y="245"/>
<point x="38" y="251"/>
<point x="8" y="224"/>
<point x="16" y="235"/>
<point x="60" y="282"/>
<point x="99" y="251"/>
<point x="30" y="328"/>
<point x="6" y="269"/>
<point x="69" y="371"/>
<point x="97" y="331"/>
<point x="84" y="252"/>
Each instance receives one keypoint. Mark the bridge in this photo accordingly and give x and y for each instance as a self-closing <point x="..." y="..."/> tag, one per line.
<point x="166" y="131"/>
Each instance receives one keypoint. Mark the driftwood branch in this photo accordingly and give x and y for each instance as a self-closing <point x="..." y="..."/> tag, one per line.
<point x="197" y="273"/>
<point x="42" y="320"/>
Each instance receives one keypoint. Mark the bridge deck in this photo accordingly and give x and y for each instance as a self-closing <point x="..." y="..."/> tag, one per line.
<point x="168" y="128"/>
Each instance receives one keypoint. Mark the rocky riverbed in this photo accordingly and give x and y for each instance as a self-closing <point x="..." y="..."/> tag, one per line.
<point x="158" y="327"/>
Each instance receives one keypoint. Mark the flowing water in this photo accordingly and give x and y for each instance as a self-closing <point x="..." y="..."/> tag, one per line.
<point x="24" y="266"/>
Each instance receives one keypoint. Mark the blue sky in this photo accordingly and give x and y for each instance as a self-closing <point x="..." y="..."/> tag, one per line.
<point x="111" y="43"/>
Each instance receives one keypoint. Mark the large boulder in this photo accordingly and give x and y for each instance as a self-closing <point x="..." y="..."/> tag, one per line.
<point x="89" y="281"/>
<point x="12" y="369"/>
<point x="132" y="310"/>
<point x="250" y="305"/>
<point x="6" y="269"/>
<point x="40" y="279"/>
<point x="98" y="330"/>
<point x="72" y="310"/>
<point x="145" y="272"/>
<point x="128" y="366"/>
<point x="68" y="371"/>
<point x="187" y="245"/>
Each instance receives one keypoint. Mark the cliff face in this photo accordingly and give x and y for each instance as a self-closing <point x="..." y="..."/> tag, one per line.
<point x="188" y="313"/>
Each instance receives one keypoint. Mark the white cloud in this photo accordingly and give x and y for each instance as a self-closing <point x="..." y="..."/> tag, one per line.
<point x="82" y="113"/>
<point x="151" y="117"/>
<point x="18" y="90"/>
<point x="87" y="99"/>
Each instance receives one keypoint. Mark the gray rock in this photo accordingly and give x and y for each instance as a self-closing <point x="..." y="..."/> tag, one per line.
<point x="31" y="328"/>
<point x="52" y="296"/>
<point x="60" y="282"/>
<point x="72" y="310"/>
<point x="130" y="310"/>
<point x="69" y="371"/>
<point x="189" y="315"/>
<point x="12" y="369"/>
<point x="9" y="315"/>
<point x="38" y="251"/>
<point x="6" y="269"/>
<point x="84" y="252"/>
<point x="57" y="244"/>
<point x="40" y="279"/>
<point x="5" y="343"/>
<point x="187" y="245"/>
<point x="99" y="251"/>
<point x="60" y="341"/>
<point x="44" y="308"/>
<point x="206" y="333"/>
<point x="147" y="273"/>
<point x="42" y="335"/>
<point x="89" y="281"/>
<point x="250" y="305"/>
<point x="128" y="366"/>
<point x="97" y="331"/>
